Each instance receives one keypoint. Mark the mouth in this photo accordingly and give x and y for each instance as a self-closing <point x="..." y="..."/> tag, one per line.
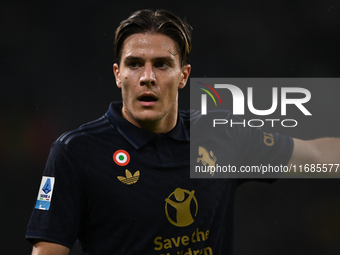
<point x="147" y="100"/>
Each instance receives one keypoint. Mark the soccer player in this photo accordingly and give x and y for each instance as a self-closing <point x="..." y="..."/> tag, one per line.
<point x="121" y="184"/>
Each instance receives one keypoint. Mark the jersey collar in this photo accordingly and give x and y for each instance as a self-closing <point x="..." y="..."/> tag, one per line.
<point x="136" y="136"/>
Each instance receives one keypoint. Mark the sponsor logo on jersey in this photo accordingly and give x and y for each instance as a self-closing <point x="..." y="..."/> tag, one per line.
<point x="45" y="193"/>
<point x="181" y="207"/>
<point x="129" y="179"/>
<point x="121" y="157"/>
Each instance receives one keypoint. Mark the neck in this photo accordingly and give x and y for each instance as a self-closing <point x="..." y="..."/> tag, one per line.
<point x="162" y="125"/>
<point x="159" y="128"/>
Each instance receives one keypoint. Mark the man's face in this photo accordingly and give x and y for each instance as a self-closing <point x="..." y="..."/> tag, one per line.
<point x="149" y="76"/>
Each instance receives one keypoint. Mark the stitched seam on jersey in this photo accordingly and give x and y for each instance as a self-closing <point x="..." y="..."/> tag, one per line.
<point x="99" y="121"/>
<point x="103" y="124"/>
<point x="88" y="131"/>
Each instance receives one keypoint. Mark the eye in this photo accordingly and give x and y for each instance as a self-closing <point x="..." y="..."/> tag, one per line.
<point x="162" y="65"/>
<point x="134" y="64"/>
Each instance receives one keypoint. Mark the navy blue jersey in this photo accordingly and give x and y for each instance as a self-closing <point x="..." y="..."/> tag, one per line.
<point x="119" y="189"/>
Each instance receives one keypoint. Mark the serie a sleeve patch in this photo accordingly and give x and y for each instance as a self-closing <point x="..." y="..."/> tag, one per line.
<point x="45" y="193"/>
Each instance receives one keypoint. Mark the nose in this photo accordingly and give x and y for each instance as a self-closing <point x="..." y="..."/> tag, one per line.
<point x="148" y="76"/>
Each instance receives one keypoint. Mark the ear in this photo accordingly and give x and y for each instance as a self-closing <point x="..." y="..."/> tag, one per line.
<point x="184" y="76"/>
<point x="116" y="73"/>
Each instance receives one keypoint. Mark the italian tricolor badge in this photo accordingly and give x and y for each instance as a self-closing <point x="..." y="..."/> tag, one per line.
<point x="121" y="158"/>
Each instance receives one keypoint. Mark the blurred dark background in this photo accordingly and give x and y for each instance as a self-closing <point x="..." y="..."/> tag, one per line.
<point x="56" y="74"/>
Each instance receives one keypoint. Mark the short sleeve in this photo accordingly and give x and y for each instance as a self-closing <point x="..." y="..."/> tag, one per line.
<point x="60" y="218"/>
<point x="256" y="147"/>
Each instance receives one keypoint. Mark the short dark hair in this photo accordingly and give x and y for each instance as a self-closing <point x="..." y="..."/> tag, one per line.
<point x="161" y="22"/>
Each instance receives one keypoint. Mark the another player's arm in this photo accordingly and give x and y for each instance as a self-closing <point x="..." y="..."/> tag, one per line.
<point x="47" y="248"/>
<point x="319" y="151"/>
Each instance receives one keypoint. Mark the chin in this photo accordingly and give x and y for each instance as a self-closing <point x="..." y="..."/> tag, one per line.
<point x="148" y="118"/>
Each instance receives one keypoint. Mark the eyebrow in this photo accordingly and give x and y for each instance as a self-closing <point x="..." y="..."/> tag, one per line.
<point x="132" y="58"/>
